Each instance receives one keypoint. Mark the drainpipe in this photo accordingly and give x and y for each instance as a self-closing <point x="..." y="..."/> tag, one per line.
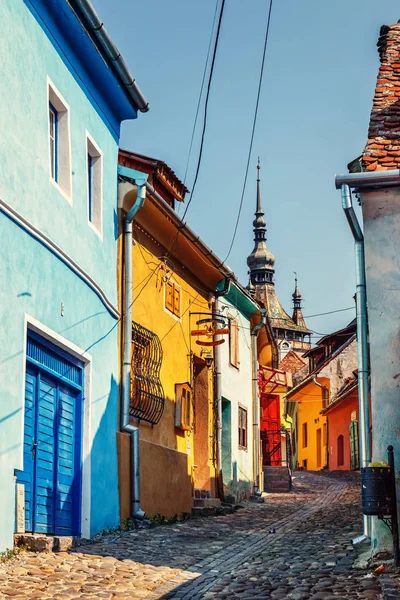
<point x="256" y="402"/>
<point x="127" y="355"/>
<point x="362" y="181"/>
<point x="217" y="390"/>
<point x="362" y="333"/>
<point x="326" y="401"/>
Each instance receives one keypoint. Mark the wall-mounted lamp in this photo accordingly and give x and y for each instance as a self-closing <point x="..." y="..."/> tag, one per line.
<point x="207" y="357"/>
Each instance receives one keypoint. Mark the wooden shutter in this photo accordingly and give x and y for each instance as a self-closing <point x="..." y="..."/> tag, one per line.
<point x="178" y="405"/>
<point x="169" y="296"/>
<point x="183" y="406"/>
<point x="177" y="301"/>
<point x="354" y="454"/>
<point x="242" y="418"/>
<point x="234" y="343"/>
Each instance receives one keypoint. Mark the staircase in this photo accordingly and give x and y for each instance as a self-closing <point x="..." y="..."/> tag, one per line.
<point x="277" y="480"/>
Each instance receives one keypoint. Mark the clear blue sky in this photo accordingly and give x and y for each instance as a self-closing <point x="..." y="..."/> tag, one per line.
<point x="318" y="86"/>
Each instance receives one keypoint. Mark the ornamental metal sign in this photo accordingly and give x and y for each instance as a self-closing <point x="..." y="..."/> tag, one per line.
<point x="209" y="329"/>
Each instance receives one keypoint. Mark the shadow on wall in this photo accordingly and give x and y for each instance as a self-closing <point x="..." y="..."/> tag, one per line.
<point x="236" y="489"/>
<point x="104" y="509"/>
<point x="166" y="475"/>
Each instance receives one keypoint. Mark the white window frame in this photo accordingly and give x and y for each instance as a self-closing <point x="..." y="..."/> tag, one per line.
<point x="92" y="149"/>
<point x="64" y="179"/>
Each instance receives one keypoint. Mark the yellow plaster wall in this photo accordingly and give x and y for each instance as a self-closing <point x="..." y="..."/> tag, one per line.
<point x="311" y="401"/>
<point x="167" y="452"/>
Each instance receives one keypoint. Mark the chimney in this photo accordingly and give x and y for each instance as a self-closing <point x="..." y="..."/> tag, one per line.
<point x="383" y="147"/>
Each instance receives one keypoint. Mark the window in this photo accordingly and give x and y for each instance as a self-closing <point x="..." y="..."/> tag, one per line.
<point x="242" y="428"/>
<point x="183" y="403"/>
<point x="234" y="343"/>
<point x="53" y="133"/>
<point x="340" y="451"/>
<point x="94" y="184"/>
<point x="173" y="298"/>
<point x="304" y="432"/>
<point x="59" y="141"/>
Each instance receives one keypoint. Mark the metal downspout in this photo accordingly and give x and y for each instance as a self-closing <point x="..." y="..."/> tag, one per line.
<point x="217" y="390"/>
<point x="256" y="402"/>
<point x="362" y="334"/>
<point x="326" y="401"/>
<point x="127" y="355"/>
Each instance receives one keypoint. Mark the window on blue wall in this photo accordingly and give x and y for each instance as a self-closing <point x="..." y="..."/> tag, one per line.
<point x="94" y="173"/>
<point x="59" y="141"/>
<point x="90" y="186"/>
<point x="53" y="133"/>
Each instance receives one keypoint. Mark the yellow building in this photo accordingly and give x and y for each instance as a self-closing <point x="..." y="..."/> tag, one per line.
<point x="174" y="278"/>
<point x="306" y="401"/>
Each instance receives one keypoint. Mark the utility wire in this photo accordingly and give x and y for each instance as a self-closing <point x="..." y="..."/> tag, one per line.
<point x="252" y="132"/>
<point x="206" y="107"/>
<point x="331" y="312"/>
<point x="201" y="93"/>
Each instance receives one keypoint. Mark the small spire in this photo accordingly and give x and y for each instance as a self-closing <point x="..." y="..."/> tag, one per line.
<point x="259" y="210"/>
<point x="296" y="294"/>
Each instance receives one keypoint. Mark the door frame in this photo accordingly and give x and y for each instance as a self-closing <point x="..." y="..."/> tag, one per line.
<point x="64" y="345"/>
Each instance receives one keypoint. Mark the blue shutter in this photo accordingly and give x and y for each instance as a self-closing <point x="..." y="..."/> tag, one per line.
<point x="52" y="441"/>
<point x="45" y="464"/>
<point x="66" y="513"/>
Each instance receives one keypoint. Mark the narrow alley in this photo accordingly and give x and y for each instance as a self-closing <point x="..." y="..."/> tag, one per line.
<point x="295" y="546"/>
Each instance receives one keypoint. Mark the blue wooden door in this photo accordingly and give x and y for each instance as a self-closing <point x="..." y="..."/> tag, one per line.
<point x="51" y="473"/>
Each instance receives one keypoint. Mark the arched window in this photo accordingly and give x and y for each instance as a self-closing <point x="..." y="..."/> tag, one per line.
<point x="340" y="451"/>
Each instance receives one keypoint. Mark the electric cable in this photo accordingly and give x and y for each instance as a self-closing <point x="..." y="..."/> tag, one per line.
<point x="206" y="107"/>
<point x="252" y="132"/>
<point x="200" y="95"/>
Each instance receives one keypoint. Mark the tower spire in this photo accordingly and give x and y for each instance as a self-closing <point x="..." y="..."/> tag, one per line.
<point x="261" y="261"/>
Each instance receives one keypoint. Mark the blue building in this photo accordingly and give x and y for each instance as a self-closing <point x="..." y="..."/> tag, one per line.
<point x="64" y="92"/>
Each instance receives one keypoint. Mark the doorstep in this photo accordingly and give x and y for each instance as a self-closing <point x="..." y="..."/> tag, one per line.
<point x="40" y="542"/>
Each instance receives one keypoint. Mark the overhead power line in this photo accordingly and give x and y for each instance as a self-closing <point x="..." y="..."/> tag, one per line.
<point x="201" y="92"/>
<point x="252" y="131"/>
<point x="330" y="312"/>
<point x="206" y="107"/>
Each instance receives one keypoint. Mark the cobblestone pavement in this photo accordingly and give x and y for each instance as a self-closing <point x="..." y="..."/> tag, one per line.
<point x="295" y="546"/>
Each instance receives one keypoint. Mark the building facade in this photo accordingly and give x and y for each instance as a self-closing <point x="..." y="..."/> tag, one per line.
<point x="177" y="281"/>
<point x="379" y="242"/>
<point x="235" y="364"/>
<point x="316" y="386"/>
<point x="62" y="105"/>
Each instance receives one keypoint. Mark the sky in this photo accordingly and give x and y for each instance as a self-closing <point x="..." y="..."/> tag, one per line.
<point x="318" y="85"/>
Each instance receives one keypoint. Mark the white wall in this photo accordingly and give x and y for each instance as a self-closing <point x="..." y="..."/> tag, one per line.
<point x="236" y="386"/>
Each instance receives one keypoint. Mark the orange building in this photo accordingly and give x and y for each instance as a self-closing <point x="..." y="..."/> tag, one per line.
<point x="342" y="416"/>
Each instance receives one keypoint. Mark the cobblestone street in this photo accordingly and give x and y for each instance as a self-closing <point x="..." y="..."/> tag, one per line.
<point x="295" y="546"/>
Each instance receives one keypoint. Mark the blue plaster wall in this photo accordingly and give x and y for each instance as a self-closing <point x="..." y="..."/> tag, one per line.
<point x="33" y="280"/>
<point x="27" y="58"/>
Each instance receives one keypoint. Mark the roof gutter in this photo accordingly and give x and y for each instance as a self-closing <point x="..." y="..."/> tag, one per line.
<point x="372" y="179"/>
<point x="111" y="52"/>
